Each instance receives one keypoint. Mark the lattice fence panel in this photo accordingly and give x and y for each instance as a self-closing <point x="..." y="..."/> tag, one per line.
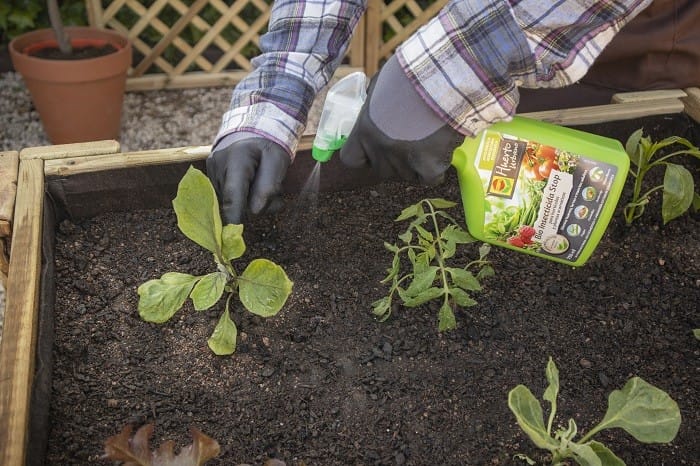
<point x="390" y="22"/>
<point x="198" y="43"/>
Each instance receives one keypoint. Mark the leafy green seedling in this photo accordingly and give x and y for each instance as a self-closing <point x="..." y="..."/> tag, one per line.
<point x="678" y="186"/>
<point x="263" y="287"/>
<point x="136" y="451"/>
<point x="429" y="245"/>
<point x="647" y="413"/>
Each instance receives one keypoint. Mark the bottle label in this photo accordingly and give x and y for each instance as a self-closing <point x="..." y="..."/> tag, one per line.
<point x="539" y="197"/>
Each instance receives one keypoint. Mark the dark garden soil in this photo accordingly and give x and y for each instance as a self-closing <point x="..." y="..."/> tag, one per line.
<point x="323" y="383"/>
<point x="78" y="53"/>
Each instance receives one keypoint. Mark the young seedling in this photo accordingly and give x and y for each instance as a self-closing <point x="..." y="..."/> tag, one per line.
<point x="262" y="288"/>
<point x="647" y="413"/>
<point x="136" y="451"/>
<point x="428" y="244"/>
<point x="678" y="186"/>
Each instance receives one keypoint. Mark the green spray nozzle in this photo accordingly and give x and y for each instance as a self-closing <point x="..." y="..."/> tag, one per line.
<point x="340" y="110"/>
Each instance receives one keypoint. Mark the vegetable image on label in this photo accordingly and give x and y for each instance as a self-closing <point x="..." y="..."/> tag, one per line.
<point x="555" y="244"/>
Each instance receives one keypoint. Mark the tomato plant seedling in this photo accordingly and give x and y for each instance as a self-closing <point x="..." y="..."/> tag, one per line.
<point x="263" y="287"/>
<point x="428" y="244"/>
<point x="647" y="413"/>
<point x="678" y="186"/>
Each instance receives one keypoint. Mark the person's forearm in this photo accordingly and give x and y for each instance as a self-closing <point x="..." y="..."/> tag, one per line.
<point x="468" y="62"/>
<point x="305" y="43"/>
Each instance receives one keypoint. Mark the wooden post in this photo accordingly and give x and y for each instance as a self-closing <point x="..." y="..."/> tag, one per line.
<point x="21" y="314"/>
<point x="9" y="165"/>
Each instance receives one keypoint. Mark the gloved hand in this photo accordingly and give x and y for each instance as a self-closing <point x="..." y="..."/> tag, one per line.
<point x="398" y="134"/>
<point x="247" y="175"/>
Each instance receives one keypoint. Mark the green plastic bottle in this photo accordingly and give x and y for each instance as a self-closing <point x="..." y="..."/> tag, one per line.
<point x="539" y="188"/>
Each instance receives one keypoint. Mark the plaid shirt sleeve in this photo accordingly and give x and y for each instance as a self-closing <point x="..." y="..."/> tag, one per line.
<point x="305" y="42"/>
<point x="468" y="61"/>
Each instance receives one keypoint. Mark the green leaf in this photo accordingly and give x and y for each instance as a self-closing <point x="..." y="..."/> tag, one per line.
<point x="223" y="339"/>
<point x="679" y="189"/>
<point x="446" y="318"/>
<point x="461" y="297"/>
<point x="456" y="234"/>
<point x="391" y="247"/>
<point x="464" y="279"/>
<point x="449" y="248"/>
<point x="484" y="272"/>
<point x="264" y="287"/>
<point x="382" y="308"/>
<point x="647" y="413"/>
<point x="584" y="454"/>
<point x="424" y="297"/>
<point x="197" y="210"/>
<point x="406" y="236"/>
<point x="208" y="290"/>
<point x="696" y="202"/>
<point x="632" y="146"/>
<point x="696" y="332"/>
<point x="425" y="234"/>
<point x="422" y="280"/>
<point x="484" y="250"/>
<point x="232" y="244"/>
<point x="161" y="298"/>
<point x="440" y="203"/>
<point x="528" y="413"/>
<point x="607" y="457"/>
<point x="415" y="210"/>
<point x="525" y="458"/>
<point x="552" y="391"/>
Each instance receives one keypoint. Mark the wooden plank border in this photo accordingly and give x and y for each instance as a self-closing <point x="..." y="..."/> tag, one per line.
<point x="17" y="350"/>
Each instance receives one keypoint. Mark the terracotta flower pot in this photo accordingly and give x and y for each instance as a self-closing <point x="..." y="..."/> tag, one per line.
<point x="77" y="100"/>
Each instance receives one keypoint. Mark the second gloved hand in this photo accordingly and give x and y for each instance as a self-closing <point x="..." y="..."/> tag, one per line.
<point x="397" y="134"/>
<point x="247" y="174"/>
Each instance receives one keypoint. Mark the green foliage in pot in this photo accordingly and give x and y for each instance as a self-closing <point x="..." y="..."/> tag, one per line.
<point x="647" y="413"/>
<point x="429" y="244"/>
<point x="263" y="287"/>
<point x="20" y="16"/>
<point x="678" y="186"/>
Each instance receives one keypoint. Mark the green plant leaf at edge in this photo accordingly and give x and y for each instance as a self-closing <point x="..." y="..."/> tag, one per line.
<point x="584" y="454"/>
<point x="446" y="318"/>
<point x="422" y="280"/>
<point x="161" y="298"/>
<point x="223" y="339"/>
<point x="197" y="210"/>
<point x="232" y="244"/>
<point x="679" y="189"/>
<point x="552" y="391"/>
<point x="208" y="290"/>
<point x="528" y="413"/>
<point x="647" y="413"/>
<point x="632" y="146"/>
<point x="440" y="203"/>
<point x="607" y="457"/>
<point x="264" y="287"/>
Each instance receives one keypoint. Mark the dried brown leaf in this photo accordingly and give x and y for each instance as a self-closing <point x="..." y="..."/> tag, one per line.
<point x="137" y="451"/>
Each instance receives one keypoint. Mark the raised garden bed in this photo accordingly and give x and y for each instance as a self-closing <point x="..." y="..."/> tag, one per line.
<point x="323" y="382"/>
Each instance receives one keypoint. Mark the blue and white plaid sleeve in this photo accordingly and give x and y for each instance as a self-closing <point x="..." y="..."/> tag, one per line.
<point x="468" y="61"/>
<point x="305" y="43"/>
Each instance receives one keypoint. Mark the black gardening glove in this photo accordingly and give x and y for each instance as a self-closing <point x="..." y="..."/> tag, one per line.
<point x="247" y="175"/>
<point x="397" y="134"/>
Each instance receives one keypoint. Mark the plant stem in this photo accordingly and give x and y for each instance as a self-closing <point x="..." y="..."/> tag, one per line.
<point x="62" y="38"/>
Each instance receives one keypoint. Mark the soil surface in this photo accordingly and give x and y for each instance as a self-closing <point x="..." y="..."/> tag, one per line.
<point x="324" y="383"/>
<point x="78" y="53"/>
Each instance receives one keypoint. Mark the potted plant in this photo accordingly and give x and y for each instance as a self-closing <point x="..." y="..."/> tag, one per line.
<point x="76" y="77"/>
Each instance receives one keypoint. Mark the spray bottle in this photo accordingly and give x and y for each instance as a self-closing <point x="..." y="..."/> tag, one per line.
<point x="340" y="110"/>
<point x="526" y="185"/>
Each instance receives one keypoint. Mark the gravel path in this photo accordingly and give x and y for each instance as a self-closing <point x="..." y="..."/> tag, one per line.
<point x="150" y="120"/>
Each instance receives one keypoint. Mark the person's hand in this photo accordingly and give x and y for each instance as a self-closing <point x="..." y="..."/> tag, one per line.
<point x="397" y="134"/>
<point x="247" y="175"/>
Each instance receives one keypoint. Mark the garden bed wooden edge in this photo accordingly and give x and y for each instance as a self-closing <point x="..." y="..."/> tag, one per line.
<point x="41" y="185"/>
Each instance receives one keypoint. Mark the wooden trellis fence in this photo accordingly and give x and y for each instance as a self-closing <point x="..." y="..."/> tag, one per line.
<point x="199" y="43"/>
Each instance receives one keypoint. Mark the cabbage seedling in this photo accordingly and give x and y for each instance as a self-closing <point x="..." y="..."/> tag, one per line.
<point x="647" y="413"/>
<point x="429" y="243"/>
<point x="263" y="287"/>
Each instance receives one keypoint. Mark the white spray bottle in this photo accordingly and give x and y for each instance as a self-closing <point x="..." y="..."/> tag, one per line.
<point x="340" y="110"/>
